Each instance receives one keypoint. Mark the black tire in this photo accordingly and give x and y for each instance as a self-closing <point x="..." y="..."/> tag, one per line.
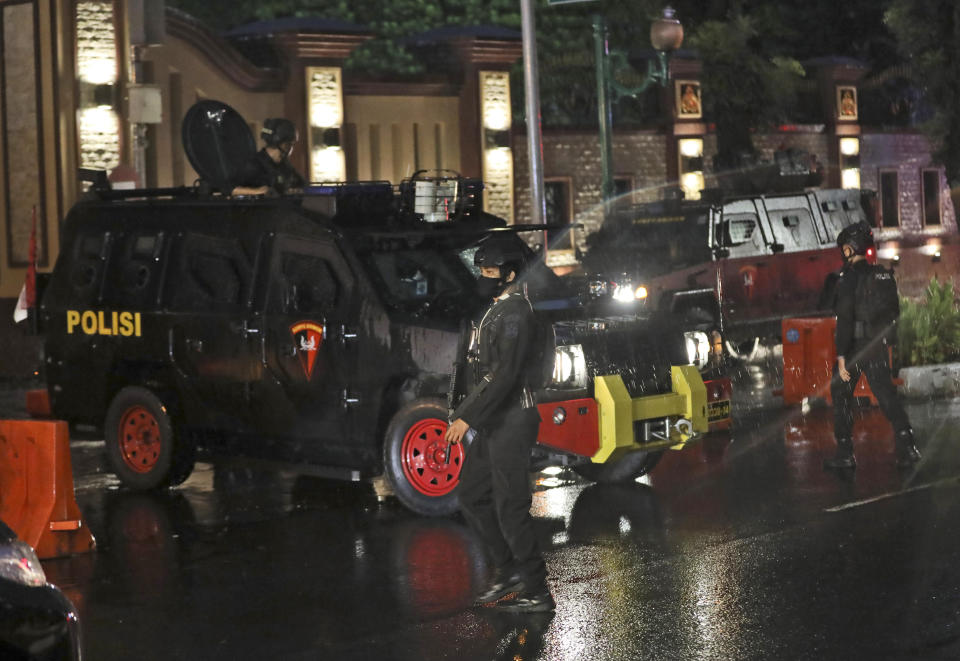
<point x="630" y="467"/>
<point x="412" y="458"/>
<point x="144" y="448"/>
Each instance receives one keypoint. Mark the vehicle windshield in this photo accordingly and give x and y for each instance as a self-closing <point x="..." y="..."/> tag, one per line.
<point x="649" y="246"/>
<point x="422" y="279"/>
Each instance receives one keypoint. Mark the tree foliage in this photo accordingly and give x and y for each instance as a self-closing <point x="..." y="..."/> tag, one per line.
<point x="750" y="51"/>
<point x="743" y="87"/>
<point x="928" y="37"/>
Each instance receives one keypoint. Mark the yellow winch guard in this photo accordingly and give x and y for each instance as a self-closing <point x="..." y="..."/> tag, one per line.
<point x="618" y="411"/>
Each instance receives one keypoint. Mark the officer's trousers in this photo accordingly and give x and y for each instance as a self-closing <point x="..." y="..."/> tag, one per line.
<point x="495" y="497"/>
<point x="875" y="364"/>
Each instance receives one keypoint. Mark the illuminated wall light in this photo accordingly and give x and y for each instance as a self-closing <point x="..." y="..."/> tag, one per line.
<point x="495" y="99"/>
<point x="850" y="146"/>
<point x="96" y="43"/>
<point x="692" y="183"/>
<point x="98" y="124"/>
<point x="691" y="147"/>
<point x="850" y="178"/>
<point x="325" y="110"/>
<point x="99" y="130"/>
<point x="327" y="164"/>
<point x="497" y="156"/>
<point x="691" y="167"/>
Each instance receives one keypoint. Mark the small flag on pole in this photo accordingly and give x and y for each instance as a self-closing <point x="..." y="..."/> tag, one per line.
<point x="28" y="293"/>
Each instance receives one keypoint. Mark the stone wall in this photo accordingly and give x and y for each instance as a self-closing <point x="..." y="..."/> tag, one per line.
<point x="641" y="155"/>
<point x="20" y="187"/>
<point x="909" y="155"/>
<point x="576" y="155"/>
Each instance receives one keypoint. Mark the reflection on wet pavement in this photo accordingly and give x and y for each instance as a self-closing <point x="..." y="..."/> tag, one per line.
<point x="741" y="547"/>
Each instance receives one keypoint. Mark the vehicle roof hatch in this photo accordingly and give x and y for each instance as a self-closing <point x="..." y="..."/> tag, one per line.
<point x="217" y="141"/>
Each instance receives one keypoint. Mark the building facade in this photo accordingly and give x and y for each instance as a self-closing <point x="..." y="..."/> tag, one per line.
<point x="104" y="85"/>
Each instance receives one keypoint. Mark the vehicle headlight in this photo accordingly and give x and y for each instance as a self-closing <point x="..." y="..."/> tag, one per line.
<point x="569" y="367"/>
<point x="640" y="293"/>
<point x="18" y="563"/>
<point x="698" y="348"/>
<point x="624" y="292"/>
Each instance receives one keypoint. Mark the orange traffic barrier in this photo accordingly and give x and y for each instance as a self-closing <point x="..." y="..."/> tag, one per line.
<point x="809" y="353"/>
<point x="36" y="488"/>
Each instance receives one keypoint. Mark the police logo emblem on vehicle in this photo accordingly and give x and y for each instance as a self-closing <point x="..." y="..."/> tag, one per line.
<point x="307" y="338"/>
<point x="793" y="335"/>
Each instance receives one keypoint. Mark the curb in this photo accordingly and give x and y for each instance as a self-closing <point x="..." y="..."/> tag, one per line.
<point x="930" y="381"/>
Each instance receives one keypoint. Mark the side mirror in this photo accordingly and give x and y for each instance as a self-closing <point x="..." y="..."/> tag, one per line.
<point x="776" y="247"/>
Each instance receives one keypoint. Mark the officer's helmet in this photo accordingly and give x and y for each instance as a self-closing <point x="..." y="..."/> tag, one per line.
<point x="858" y="236"/>
<point x="277" y="131"/>
<point x="504" y="251"/>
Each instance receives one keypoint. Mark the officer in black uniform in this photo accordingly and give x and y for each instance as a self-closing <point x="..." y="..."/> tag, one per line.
<point x="270" y="170"/>
<point x="863" y="349"/>
<point x="494" y="488"/>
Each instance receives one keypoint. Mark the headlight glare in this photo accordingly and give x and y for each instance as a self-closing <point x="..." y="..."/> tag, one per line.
<point x="641" y="293"/>
<point x="698" y="348"/>
<point x="624" y="293"/>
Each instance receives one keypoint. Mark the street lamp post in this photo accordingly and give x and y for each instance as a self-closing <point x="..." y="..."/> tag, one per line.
<point x="666" y="35"/>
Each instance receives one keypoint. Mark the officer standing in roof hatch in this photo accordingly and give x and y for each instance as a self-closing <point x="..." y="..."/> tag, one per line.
<point x="494" y="489"/>
<point x="867" y="307"/>
<point x="270" y="170"/>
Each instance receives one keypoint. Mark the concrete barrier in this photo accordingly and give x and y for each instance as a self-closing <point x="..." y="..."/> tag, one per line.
<point x="931" y="381"/>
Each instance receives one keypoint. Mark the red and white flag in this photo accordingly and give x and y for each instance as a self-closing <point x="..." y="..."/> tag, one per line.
<point x="28" y="293"/>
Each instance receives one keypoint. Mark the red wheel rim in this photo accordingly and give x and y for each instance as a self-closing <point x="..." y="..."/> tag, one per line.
<point x="140" y="440"/>
<point x="422" y="456"/>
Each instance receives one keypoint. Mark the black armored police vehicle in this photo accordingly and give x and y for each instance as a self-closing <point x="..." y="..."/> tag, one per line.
<point x="322" y="329"/>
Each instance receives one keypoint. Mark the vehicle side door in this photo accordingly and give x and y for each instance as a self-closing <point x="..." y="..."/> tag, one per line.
<point x="209" y="295"/>
<point x="801" y="266"/>
<point x="309" y="349"/>
<point x="747" y="283"/>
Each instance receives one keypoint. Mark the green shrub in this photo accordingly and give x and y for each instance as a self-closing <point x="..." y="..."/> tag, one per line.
<point x="929" y="330"/>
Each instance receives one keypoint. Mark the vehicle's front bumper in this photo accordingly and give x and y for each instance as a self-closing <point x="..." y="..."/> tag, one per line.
<point x="613" y="423"/>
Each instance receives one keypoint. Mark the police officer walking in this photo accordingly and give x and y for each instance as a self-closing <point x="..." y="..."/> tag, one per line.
<point x="270" y="170"/>
<point x="494" y="489"/>
<point x="867" y="308"/>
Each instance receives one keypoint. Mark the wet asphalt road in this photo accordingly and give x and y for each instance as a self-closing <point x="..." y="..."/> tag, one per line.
<point x="739" y="548"/>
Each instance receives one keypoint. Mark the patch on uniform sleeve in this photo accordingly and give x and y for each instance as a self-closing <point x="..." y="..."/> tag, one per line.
<point x="511" y="326"/>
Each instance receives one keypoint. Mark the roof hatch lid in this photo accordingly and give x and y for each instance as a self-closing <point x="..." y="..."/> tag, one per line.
<point x="217" y="141"/>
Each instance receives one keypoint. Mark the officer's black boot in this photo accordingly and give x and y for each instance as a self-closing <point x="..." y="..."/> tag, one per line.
<point x="531" y="600"/>
<point x="844" y="456"/>
<point x="907" y="452"/>
<point x="504" y="582"/>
